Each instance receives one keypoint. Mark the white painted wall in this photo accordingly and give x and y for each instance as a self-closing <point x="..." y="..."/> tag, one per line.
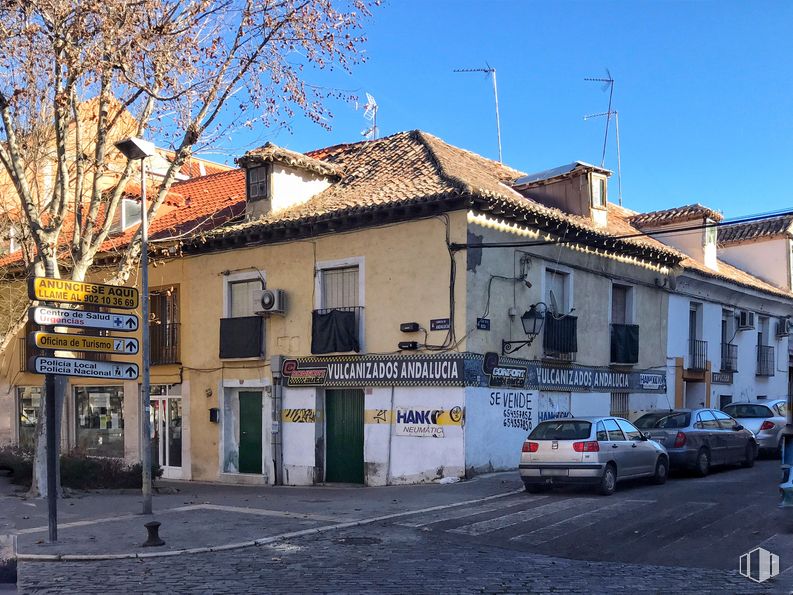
<point x="299" y="439"/>
<point x="289" y="186"/>
<point x="769" y="260"/>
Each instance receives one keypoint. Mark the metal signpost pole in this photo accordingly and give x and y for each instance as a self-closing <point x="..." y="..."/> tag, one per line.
<point x="52" y="443"/>
<point x="146" y="387"/>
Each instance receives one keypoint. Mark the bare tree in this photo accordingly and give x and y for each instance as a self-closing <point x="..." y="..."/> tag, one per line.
<point x="77" y="75"/>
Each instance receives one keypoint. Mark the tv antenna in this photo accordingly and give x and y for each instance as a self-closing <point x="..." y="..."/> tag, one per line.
<point x="370" y="114"/>
<point x="616" y="115"/>
<point x="490" y="71"/>
<point x="608" y="83"/>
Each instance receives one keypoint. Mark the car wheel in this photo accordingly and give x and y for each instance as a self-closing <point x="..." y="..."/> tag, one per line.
<point x="608" y="481"/>
<point x="749" y="455"/>
<point x="661" y="471"/>
<point x="537" y="488"/>
<point x="703" y="462"/>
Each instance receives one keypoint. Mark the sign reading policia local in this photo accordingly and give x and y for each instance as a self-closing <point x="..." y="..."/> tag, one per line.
<point x="45" y="289"/>
<point x="85" y="368"/>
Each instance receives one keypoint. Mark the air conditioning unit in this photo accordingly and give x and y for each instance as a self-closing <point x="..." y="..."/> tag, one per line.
<point x="269" y="301"/>
<point x="745" y="320"/>
<point x="784" y="327"/>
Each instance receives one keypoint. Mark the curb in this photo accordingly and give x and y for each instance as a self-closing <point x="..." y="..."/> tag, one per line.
<point x="253" y="543"/>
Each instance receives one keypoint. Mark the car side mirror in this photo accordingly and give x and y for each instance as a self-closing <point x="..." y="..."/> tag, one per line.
<point x="737" y="427"/>
<point x="644" y="437"/>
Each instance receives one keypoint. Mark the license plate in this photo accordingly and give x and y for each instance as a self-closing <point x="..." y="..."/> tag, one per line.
<point x="554" y="472"/>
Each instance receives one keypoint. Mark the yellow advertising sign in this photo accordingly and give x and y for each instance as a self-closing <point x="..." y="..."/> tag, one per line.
<point x="440" y="417"/>
<point x="45" y="289"/>
<point x="84" y="343"/>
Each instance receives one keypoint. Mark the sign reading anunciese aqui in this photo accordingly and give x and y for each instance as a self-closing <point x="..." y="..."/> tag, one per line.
<point x="83" y="367"/>
<point x="65" y="342"/>
<point x="77" y="292"/>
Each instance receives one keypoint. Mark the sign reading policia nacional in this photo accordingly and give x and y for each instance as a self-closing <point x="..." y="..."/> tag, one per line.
<point x="45" y="289"/>
<point x="83" y="367"/>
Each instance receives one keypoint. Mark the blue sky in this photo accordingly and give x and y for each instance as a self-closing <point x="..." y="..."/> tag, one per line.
<point x="704" y="92"/>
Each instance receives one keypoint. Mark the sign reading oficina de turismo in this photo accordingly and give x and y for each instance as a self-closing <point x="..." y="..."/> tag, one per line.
<point x="83" y="367"/>
<point x="45" y="289"/>
<point x="64" y="342"/>
<point x="125" y="323"/>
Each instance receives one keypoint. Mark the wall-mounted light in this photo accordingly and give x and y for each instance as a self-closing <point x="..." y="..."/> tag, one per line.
<point x="409" y="327"/>
<point x="408" y="345"/>
<point x="532" y="320"/>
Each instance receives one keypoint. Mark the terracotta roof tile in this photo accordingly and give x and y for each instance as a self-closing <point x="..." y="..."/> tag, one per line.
<point x="269" y="153"/>
<point x="767" y="228"/>
<point x="676" y="215"/>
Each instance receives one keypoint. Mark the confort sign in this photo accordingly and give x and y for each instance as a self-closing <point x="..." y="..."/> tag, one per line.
<point x="45" y="289"/>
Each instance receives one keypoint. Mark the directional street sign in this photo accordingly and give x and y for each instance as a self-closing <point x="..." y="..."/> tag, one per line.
<point x="125" y="323"/>
<point x="84" y="343"/>
<point x="46" y="289"/>
<point x="84" y="367"/>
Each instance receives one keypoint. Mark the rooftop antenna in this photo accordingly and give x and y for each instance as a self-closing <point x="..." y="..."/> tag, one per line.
<point x="488" y="72"/>
<point x="370" y="114"/>
<point x="616" y="115"/>
<point x="608" y="83"/>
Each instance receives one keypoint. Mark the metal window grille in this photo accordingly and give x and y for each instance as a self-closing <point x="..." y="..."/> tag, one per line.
<point x="619" y="404"/>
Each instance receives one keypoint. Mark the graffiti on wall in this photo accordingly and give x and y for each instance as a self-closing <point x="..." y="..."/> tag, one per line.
<point x="300" y="416"/>
<point x="518" y="408"/>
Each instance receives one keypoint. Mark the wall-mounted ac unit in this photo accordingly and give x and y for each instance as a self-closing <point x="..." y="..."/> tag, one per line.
<point x="784" y="327"/>
<point x="269" y="301"/>
<point x="745" y="320"/>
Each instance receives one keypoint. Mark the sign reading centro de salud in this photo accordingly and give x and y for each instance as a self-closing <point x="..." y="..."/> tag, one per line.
<point x="64" y="342"/>
<point x="83" y="367"/>
<point x="124" y="323"/>
<point x="45" y="289"/>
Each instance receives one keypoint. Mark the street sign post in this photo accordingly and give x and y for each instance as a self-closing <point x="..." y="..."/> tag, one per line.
<point x="64" y="342"/>
<point x="84" y="368"/>
<point x="77" y="292"/>
<point x="106" y="321"/>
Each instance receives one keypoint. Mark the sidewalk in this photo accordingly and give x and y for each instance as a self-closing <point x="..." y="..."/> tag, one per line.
<point x="207" y="517"/>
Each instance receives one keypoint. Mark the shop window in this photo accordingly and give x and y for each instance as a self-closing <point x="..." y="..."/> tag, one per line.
<point x="100" y="420"/>
<point x="29" y="403"/>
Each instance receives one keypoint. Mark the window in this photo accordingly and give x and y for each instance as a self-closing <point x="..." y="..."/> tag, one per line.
<point x="557" y="291"/>
<point x="615" y="434"/>
<point x="29" y="403"/>
<point x="762" y="330"/>
<point x="748" y="410"/>
<point x="631" y="432"/>
<point x="561" y="430"/>
<point x="164" y="325"/>
<point x="100" y="420"/>
<point x="621" y="304"/>
<point x="240" y="297"/>
<point x="724" y="400"/>
<point x="339" y="287"/>
<point x="711" y="233"/>
<point x="602" y="436"/>
<point x="599" y="197"/>
<point x="725" y="421"/>
<point x="337" y="323"/>
<point x="706" y="421"/>
<point x="781" y="409"/>
<point x="619" y="404"/>
<point x="258" y="182"/>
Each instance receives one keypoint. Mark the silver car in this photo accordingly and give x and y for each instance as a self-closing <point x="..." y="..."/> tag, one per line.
<point x="589" y="450"/>
<point x="766" y="420"/>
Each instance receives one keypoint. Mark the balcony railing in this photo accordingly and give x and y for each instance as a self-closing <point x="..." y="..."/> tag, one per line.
<point x="336" y="330"/>
<point x="766" y="364"/>
<point x="560" y="337"/>
<point x="164" y="341"/>
<point x="624" y="343"/>
<point x="729" y="357"/>
<point x="697" y="355"/>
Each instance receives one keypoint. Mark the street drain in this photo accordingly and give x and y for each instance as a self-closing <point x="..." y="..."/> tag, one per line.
<point x="358" y="540"/>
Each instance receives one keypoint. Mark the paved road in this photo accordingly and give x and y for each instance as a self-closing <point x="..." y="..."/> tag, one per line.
<point x="683" y="537"/>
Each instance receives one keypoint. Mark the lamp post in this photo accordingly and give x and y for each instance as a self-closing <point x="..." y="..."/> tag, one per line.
<point x="532" y="320"/>
<point x="138" y="149"/>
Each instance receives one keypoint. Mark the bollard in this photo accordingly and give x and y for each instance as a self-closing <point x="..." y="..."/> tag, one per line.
<point x="154" y="539"/>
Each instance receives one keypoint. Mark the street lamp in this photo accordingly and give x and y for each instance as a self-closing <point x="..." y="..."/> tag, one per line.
<point x="138" y="149"/>
<point x="532" y="320"/>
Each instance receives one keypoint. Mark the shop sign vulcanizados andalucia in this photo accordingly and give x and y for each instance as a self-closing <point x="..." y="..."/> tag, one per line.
<point x="45" y="289"/>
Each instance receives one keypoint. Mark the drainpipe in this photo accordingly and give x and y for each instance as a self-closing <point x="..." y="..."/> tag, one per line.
<point x="276" y="441"/>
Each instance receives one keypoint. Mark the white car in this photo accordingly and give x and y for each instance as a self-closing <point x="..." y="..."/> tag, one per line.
<point x="766" y="419"/>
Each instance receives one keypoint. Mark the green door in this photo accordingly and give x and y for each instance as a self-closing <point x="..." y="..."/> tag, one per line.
<point x="250" y="432"/>
<point x="344" y="415"/>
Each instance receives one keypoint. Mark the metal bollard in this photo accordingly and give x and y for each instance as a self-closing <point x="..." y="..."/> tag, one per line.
<point x="154" y="539"/>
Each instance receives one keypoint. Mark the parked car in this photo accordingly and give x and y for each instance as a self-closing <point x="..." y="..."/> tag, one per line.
<point x="766" y="420"/>
<point x="589" y="450"/>
<point x="700" y="438"/>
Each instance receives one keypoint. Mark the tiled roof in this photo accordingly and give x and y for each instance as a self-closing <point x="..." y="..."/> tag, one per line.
<point x="677" y="215"/>
<point x="269" y="153"/>
<point x="620" y="222"/>
<point x="767" y="228"/>
<point x="412" y="168"/>
<point x="556" y="172"/>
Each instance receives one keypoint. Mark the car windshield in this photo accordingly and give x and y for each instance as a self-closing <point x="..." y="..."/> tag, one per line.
<point x="663" y="420"/>
<point x="648" y="420"/>
<point x="561" y="430"/>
